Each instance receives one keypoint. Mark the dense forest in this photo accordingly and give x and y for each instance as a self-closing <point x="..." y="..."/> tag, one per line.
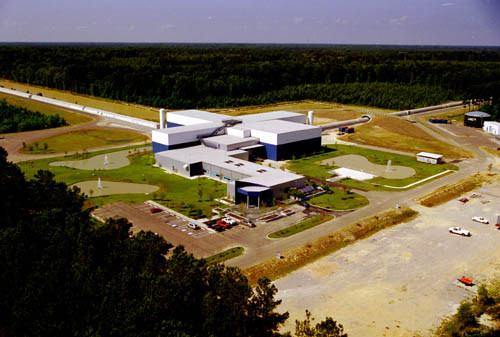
<point x="204" y="76"/>
<point x="17" y="119"/>
<point x="62" y="273"/>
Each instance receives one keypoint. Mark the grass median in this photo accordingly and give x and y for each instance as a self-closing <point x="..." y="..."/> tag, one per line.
<point x="294" y="259"/>
<point x="302" y="226"/>
<point x="339" y="200"/>
<point x="225" y="255"/>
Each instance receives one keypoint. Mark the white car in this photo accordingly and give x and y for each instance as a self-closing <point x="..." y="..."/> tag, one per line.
<point x="459" y="231"/>
<point x="193" y="226"/>
<point x="229" y="221"/>
<point x="480" y="219"/>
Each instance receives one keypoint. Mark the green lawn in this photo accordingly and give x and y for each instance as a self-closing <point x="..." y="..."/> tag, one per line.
<point x="176" y="192"/>
<point x="225" y="255"/>
<point x="302" y="226"/>
<point x="81" y="140"/>
<point x="339" y="200"/>
<point x="310" y="166"/>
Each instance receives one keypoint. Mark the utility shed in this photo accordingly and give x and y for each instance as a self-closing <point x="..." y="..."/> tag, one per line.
<point x="476" y="119"/>
<point x="430" y="158"/>
<point x="492" y="127"/>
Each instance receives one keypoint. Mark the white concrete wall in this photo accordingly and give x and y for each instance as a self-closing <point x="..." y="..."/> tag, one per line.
<point x="265" y="137"/>
<point x="238" y="132"/>
<point x="81" y="108"/>
<point x="295" y="136"/>
<point x="180" y="137"/>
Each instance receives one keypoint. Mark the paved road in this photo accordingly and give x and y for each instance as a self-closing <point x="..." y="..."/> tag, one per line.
<point x="379" y="201"/>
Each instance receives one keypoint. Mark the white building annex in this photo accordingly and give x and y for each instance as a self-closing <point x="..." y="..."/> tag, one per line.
<point x="492" y="127"/>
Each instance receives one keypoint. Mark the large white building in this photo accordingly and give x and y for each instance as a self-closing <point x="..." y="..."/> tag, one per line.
<point x="196" y="143"/>
<point x="280" y="134"/>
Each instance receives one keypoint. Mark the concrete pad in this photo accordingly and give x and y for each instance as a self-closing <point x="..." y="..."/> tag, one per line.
<point x="360" y="163"/>
<point x="353" y="174"/>
<point x="116" y="160"/>
<point x="111" y="187"/>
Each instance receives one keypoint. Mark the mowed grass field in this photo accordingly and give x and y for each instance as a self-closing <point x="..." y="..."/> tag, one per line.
<point x="83" y="139"/>
<point x="119" y="107"/>
<point x="454" y="116"/>
<point x="399" y="134"/>
<point x="72" y="118"/>
<point x="311" y="166"/>
<point x="339" y="200"/>
<point x="323" y="112"/>
<point x="176" y="192"/>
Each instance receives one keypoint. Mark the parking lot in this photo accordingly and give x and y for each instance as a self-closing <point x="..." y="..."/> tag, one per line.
<point x="402" y="279"/>
<point x="202" y="242"/>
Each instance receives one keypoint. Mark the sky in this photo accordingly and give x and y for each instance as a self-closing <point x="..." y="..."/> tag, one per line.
<point x="400" y="22"/>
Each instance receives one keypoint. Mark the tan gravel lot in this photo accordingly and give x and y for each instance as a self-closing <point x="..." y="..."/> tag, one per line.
<point x="400" y="280"/>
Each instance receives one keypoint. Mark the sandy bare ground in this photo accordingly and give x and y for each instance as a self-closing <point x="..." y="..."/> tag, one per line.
<point x="400" y="280"/>
<point x="360" y="163"/>
<point x="112" y="187"/>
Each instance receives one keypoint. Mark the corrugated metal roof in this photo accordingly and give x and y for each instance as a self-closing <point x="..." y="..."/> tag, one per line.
<point x="477" y="114"/>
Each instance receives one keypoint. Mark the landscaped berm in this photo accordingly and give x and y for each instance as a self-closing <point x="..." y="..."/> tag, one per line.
<point x="84" y="139"/>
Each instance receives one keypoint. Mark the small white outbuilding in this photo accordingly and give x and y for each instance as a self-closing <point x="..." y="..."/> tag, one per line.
<point x="492" y="127"/>
<point x="430" y="158"/>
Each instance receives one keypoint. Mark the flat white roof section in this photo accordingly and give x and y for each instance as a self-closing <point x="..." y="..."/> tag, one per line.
<point x="278" y="132"/>
<point x="429" y="155"/>
<point x="274" y="115"/>
<point x="256" y="174"/>
<point x="228" y="143"/>
<point x="191" y="117"/>
<point x="180" y="135"/>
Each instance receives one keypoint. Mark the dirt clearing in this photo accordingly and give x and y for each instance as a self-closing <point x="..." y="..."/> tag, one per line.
<point x="400" y="280"/>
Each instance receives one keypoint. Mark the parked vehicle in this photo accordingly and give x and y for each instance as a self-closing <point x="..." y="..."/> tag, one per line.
<point x="155" y="210"/>
<point x="248" y="223"/>
<point x="224" y="224"/>
<point x="218" y="228"/>
<point x="230" y="221"/>
<point x="459" y="231"/>
<point x="480" y="219"/>
<point x="193" y="226"/>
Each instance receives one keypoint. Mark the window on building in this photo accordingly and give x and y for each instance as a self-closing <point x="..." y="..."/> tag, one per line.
<point x="261" y="171"/>
<point x="228" y="161"/>
<point x="238" y="164"/>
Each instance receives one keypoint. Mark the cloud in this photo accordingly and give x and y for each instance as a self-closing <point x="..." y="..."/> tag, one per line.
<point x="448" y="4"/>
<point x="399" y="21"/>
<point x="299" y="20"/>
<point x="341" y="21"/>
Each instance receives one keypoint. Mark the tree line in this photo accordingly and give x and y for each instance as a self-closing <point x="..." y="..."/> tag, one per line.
<point x="18" y="119"/>
<point x="205" y="76"/>
<point x="62" y="273"/>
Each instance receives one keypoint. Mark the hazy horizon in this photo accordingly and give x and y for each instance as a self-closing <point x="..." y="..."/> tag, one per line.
<point x="332" y="22"/>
